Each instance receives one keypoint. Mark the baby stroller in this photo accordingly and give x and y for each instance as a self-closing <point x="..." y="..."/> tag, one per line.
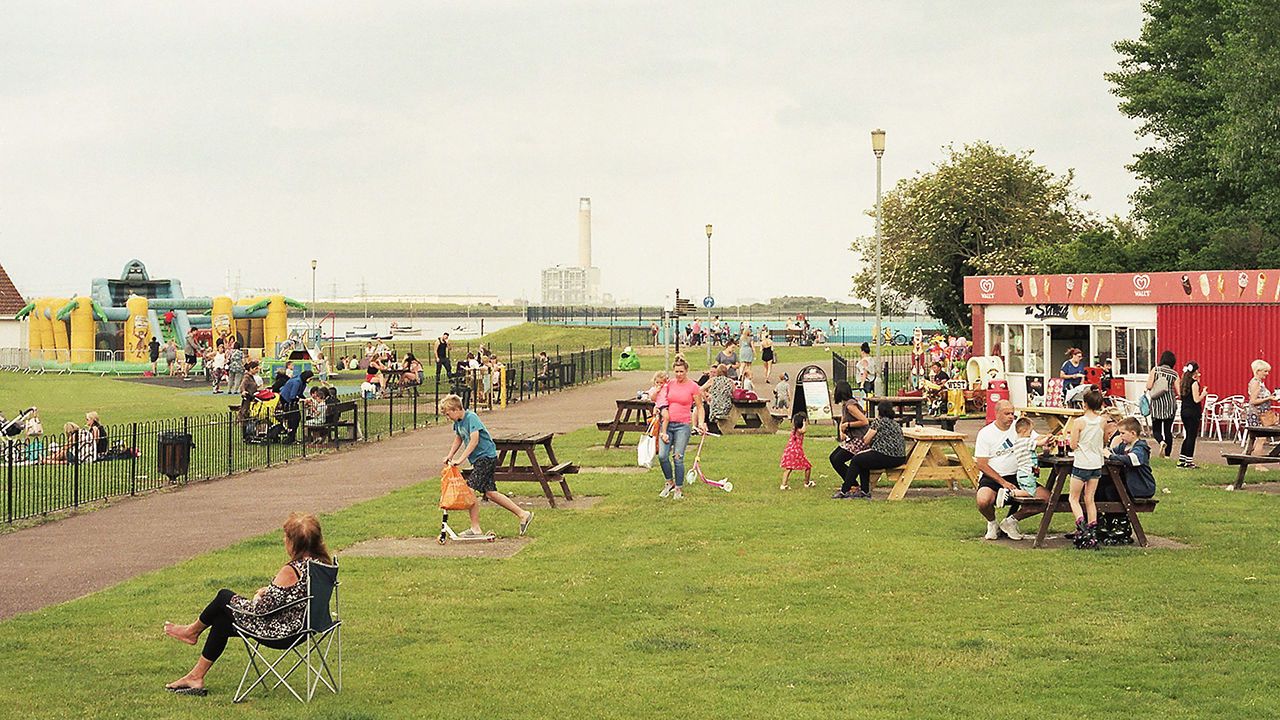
<point x="12" y="429"/>
<point x="695" y="473"/>
<point x="262" y="424"/>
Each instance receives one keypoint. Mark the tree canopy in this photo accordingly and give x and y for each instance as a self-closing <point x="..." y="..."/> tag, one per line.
<point x="1202" y="78"/>
<point x="982" y="210"/>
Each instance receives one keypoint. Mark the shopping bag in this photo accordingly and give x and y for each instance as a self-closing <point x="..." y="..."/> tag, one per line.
<point x="645" y="451"/>
<point x="454" y="493"/>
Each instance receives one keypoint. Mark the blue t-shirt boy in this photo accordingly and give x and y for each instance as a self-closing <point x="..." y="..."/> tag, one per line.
<point x="470" y="423"/>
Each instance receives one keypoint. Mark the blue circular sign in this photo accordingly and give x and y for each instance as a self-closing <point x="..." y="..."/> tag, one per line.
<point x="708" y="302"/>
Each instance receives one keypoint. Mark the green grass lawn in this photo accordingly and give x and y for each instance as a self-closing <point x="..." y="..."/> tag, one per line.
<point x="751" y="604"/>
<point x="63" y="398"/>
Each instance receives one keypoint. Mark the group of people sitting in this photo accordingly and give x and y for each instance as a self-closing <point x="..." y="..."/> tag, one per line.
<point x="85" y="443"/>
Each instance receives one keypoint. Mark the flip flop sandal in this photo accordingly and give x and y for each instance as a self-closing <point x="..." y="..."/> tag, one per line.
<point x="524" y="524"/>
<point x="193" y="691"/>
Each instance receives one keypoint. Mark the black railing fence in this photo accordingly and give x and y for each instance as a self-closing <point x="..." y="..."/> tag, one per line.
<point x="55" y="472"/>
<point x="896" y="370"/>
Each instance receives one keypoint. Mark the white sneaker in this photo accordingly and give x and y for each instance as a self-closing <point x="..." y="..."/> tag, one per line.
<point x="1002" y="497"/>
<point x="1010" y="527"/>
<point x="993" y="530"/>
<point x="677" y="494"/>
<point x="666" y="490"/>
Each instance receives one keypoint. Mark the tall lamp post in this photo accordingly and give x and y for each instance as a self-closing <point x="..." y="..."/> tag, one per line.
<point x="313" y="292"/>
<point x="707" y="330"/>
<point x="877" y="147"/>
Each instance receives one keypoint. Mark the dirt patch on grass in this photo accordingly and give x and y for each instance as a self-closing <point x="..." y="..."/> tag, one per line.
<point x="430" y="547"/>
<point x="1058" y="542"/>
<point x="539" y="502"/>
<point x="1266" y="488"/>
<point x="622" y="470"/>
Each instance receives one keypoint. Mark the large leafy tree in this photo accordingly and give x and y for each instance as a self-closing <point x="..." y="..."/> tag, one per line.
<point x="1203" y="77"/>
<point x="982" y="210"/>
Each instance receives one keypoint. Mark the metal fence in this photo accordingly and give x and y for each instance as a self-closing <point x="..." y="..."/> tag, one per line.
<point x="60" y="471"/>
<point x="896" y="370"/>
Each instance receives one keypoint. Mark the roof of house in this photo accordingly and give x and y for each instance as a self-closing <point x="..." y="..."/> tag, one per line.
<point x="10" y="299"/>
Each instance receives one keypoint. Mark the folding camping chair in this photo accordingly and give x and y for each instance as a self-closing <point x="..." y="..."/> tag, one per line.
<point x="319" y="630"/>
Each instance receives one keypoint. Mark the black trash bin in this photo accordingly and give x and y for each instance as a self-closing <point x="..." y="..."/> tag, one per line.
<point x="173" y="454"/>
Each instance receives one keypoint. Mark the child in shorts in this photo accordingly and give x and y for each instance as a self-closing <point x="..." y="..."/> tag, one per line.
<point x="479" y="449"/>
<point x="782" y="393"/>
<point x="316" y="411"/>
<point x="1024" y="449"/>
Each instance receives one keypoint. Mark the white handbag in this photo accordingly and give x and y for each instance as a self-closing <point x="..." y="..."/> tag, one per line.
<point x="646" y="451"/>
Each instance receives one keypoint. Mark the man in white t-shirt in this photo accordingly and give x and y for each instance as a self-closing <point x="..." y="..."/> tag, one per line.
<point x="995" y="457"/>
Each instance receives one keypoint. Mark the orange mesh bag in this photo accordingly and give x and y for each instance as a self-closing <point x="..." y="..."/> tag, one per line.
<point x="454" y="493"/>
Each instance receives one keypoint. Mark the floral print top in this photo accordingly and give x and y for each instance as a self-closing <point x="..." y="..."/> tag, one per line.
<point x="277" y="625"/>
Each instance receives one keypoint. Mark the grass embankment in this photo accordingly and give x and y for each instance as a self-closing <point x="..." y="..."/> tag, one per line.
<point x="756" y="603"/>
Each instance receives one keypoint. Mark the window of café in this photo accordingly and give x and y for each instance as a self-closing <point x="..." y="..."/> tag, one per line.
<point x="1017" y="346"/>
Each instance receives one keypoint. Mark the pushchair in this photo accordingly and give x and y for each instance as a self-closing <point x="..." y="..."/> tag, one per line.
<point x="262" y="425"/>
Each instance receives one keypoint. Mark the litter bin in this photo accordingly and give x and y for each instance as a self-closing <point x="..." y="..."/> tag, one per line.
<point x="173" y="454"/>
<point x="997" y="390"/>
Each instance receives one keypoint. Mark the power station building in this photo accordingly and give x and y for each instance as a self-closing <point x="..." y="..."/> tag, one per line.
<point x="579" y="284"/>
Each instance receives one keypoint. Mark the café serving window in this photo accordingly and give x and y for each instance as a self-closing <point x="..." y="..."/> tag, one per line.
<point x="1131" y="349"/>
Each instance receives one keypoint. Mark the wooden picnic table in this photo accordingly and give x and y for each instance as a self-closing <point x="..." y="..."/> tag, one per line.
<point x="1056" y="418"/>
<point x="748" y="417"/>
<point x="948" y="422"/>
<point x="902" y="404"/>
<point x="1247" y="458"/>
<point x="633" y="414"/>
<point x="927" y="460"/>
<point x="512" y="446"/>
<point x="1060" y="468"/>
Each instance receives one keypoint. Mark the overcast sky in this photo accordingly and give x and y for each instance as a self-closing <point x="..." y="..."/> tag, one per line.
<point x="441" y="147"/>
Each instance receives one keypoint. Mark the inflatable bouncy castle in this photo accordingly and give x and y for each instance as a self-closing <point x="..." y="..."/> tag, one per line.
<point x="110" y="329"/>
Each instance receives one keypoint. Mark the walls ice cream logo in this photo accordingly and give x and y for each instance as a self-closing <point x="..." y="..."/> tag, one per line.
<point x="987" y="285"/>
<point x="1142" y="285"/>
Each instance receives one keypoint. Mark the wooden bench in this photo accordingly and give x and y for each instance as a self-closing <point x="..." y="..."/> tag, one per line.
<point x="1244" y="461"/>
<point x="334" y="424"/>
<point x="1058" y="502"/>
<point x="748" y="417"/>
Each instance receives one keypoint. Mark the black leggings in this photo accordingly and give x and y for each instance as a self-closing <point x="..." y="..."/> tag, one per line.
<point x="1190" y="425"/>
<point x="1162" y="429"/>
<point x="840" y="459"/>
<point x="864" y="462"/>
<point x="217" y="616"/>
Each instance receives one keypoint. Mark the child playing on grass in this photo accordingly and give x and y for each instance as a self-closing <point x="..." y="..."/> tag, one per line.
<point x="1086" y="441"/>
<point x="483" y="456"/>
<point x="793" y="457"/>
<point x="1024" y="449"/>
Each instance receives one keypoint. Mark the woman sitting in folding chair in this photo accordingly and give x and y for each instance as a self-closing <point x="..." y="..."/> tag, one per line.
<point x="302" y="541"/>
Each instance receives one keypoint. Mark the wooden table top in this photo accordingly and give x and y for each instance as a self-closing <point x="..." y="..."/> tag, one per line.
<point x="899" y="399"/>
<point x="1060" y="412"/>
<point x="634" y="402"/>
<point x="522" y="438"/>
<point x="931" y="433"/>
<point x="1264" y="430"/>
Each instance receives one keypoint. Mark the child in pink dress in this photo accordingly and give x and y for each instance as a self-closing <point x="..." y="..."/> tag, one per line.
<point x="793" y="457"/>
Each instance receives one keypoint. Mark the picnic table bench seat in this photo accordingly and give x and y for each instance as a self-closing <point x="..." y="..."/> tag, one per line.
<point x="1112" y="472"/>
<point x="748" y="417"/>
<point x="1243" y="461"/>
<point x="334" y="423"/>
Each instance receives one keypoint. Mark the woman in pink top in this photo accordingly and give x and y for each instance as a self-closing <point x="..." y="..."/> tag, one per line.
<point x="684" y="411"/>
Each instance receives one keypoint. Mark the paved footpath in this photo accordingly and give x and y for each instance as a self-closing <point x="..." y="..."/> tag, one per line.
<point x="69" y="558"/>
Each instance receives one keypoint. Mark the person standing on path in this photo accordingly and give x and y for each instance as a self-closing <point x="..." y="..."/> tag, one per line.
<point x="684" y="411"/>
<point x="442" y="356"/>
<point x="482" y="453"/>
<point x="766" y="355"/>
<point x="866" y="370"/>
<point x="1162" y="391"/>
<point x="1192" y="412"/>
<point x="748" y="354"/>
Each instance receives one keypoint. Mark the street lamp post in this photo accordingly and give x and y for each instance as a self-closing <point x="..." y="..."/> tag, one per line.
<point x="313" y="292"/>
<point x="707" y="329"/>
<point x="877" y="147"/>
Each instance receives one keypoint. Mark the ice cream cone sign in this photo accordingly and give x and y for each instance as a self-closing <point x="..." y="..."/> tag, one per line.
<point x="1242" y="282"/>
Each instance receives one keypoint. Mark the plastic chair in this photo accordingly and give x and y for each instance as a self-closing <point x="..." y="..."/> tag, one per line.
<point x="320" y="628"/>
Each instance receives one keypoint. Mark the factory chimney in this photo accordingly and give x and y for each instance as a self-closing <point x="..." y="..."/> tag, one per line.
<point x="584" y="232"/>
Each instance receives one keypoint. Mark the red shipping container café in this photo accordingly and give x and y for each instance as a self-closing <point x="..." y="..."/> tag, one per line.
<point x="1222" y="319"/>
